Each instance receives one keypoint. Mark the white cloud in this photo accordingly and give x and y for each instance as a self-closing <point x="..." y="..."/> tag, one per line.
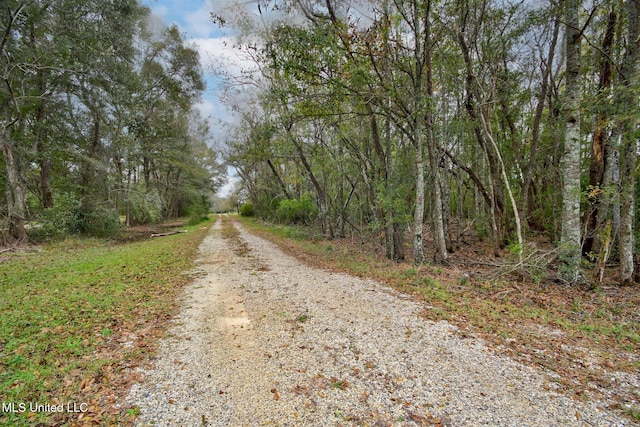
<point x="215" y="115"/>
<point x="221" y="55"/>
<point x="157" y="19"/>
<point x="199" y="22"/>
<point x="230" y="186"/>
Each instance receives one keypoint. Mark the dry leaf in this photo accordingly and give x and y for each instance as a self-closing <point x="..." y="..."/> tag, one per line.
<point x="276" y="395"/>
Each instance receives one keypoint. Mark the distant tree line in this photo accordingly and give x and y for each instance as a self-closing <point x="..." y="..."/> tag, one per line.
<point x="97" y="120"/>
<point x="507" y="119"/>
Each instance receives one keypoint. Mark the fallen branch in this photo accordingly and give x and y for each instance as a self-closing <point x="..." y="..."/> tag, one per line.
<point x="168" y="234"/>
<point x="536" y="260"/>
<point x="483" y="263"/>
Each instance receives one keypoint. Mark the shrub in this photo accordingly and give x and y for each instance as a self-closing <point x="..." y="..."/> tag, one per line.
<point x="293" y="211"/>
<point x="58" y="221"/>
<point x="199" y="211"/>
<point x="144" y="208"/>
<point x="99" y="222"/>
<point x="68" y="216"/>
<point x="247" y="209"/>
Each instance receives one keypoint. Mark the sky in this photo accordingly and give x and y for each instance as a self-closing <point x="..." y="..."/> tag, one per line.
<point x="214" y="46"/>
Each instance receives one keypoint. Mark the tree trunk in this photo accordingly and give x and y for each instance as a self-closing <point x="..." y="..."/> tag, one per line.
<point x="87" y="178"/>
<point x="283" y="186"/>
<point x="514" y="206"/>
<point x="43" y="157"/>
<point x="478" y="114"/>
<point x="45" y="179"/>
<point x="629" y="122"/>
<point x="535" y="131"/>
<point x="570" y="237"/>
<point x="15" y="192"/>
<point x="418" y="214"/>
<point x="439" y="239"/>
<point x="600" y="145"/>
<point x="323" y="208"/>
<point x="146" y="170"/>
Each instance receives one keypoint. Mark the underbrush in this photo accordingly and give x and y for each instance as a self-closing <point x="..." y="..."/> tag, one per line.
<point x="77" y="316"/>
<point x="589" y="337"/>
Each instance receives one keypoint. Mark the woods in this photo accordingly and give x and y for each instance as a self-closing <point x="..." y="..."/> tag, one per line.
<point x="418" y="122"/>
<point x="97" y="120"/>
<point x="421" y="120"/>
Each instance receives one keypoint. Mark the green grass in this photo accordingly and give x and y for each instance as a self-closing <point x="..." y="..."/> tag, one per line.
<point x="284" y="231"/>
<point x="67" y="308"/>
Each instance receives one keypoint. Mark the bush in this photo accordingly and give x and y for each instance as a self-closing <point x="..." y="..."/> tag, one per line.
<point x="144" y="208"/>
<point x="247" y="209"/>
<point x="199" y="211"/>
<point x="58" y="221"/>
<point x="69" y="217"/>
<point x="99" y="222"/>
<point x="293" y="211"/>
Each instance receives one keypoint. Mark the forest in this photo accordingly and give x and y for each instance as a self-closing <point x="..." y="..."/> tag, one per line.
<point x="421" y="122"/>
<point x="415" y="123"/>
<point x="97" y="121"/>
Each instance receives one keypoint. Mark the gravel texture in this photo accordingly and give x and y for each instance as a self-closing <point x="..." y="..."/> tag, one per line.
<point x="265" y="340"/>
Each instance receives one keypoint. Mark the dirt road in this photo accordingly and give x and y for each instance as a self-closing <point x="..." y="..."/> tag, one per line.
<point x="265" y="340"/>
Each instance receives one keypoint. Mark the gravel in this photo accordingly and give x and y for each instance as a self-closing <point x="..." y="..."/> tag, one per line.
<point x="263" y="339"/>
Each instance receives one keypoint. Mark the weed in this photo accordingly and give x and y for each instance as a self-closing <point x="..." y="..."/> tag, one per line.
<point x="634" y="413"/>
<point x="576" y="305"/>
<point x="463" y="280"/>
<point x="410" y="272"/>
<point x="339" y="384"/>
<point x="430" y="281"/>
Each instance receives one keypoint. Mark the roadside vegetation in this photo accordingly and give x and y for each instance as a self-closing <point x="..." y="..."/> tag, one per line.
<point x="589" y="338"/>
<point x="78" y="316"/>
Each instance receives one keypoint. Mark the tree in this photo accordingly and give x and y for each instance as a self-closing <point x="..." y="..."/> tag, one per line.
<point x="570" y="240"/>
<point x="14" y="24"/>
<point x="89" y="98"/>
<point x="628" y="113"/>
<point x="469" y="97"/>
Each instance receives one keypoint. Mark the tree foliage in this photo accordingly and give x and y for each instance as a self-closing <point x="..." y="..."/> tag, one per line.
<point x="448" y="115"/>
<point x="97" y="106"/>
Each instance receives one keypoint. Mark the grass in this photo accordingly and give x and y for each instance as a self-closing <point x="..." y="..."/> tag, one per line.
<point x="541" y="324"/>
<point x="77" y="316"/>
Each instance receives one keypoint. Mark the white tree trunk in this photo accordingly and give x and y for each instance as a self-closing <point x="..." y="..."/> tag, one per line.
<point x="570" y="237"/>
<point x="629" y="123"/>
<point x="418" y="216"/>
<point x="440" y="242"/>
<point x="512" y="199"/>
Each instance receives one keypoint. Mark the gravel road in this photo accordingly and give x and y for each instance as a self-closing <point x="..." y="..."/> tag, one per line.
<point x="265" y="340"/>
